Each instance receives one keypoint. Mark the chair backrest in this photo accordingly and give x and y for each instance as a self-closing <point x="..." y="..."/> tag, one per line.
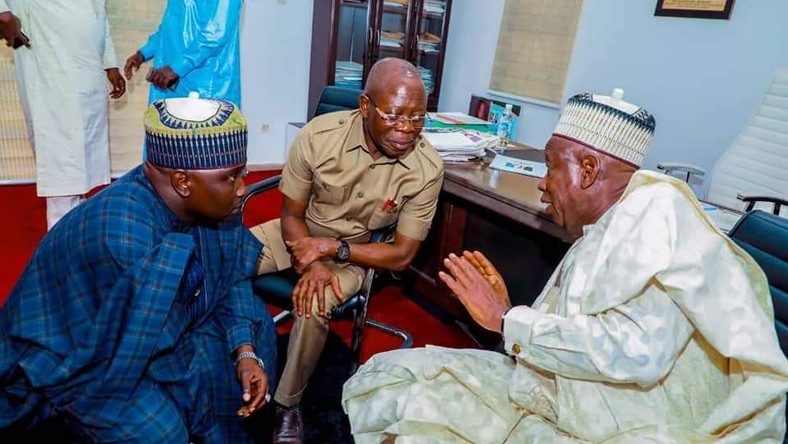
<point x="335" y="98"/>
<point x="765" y="237"/>
<point x="757" y="161"/>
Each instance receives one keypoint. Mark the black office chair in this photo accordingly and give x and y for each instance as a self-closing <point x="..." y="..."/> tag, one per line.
<point x="276" y="288"/>
<point x="765" y="237"/>
<point x="335" y="98"/>
<point x="777" y="202"/>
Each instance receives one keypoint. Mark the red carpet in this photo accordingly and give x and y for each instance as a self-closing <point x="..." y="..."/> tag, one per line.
<point x="25" y="225"/>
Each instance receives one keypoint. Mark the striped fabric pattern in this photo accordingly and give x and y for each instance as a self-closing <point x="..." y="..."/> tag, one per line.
<point x="612" y="126"/>
<point x="218" y="141"/>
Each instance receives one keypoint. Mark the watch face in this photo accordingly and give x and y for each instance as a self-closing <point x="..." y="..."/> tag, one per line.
<point x="343" y="252"/>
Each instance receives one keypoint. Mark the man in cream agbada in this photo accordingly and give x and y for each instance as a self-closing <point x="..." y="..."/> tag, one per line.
<point x="655" y="327"/>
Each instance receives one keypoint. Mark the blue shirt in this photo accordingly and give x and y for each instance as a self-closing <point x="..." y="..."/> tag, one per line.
<point x="199" y="40"/>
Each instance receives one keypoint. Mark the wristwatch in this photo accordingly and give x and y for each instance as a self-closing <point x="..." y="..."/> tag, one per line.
<point x="343" y="251"/>
<point x="249" y="355"/>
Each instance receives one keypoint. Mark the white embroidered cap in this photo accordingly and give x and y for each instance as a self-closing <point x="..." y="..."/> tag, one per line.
<point x="608" y="124"/>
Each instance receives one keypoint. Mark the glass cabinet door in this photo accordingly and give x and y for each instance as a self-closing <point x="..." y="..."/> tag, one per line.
<point x="351" y="44"/>
<point x="391" y="39"/>
<point x="429" y="49"/>
<point x="358" y="33"/>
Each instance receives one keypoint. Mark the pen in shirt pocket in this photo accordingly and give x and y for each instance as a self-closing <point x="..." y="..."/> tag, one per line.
<point x="389" y="205"/>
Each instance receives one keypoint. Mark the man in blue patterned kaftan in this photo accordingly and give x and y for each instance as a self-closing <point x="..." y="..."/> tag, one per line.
<point x="135" y="320"/>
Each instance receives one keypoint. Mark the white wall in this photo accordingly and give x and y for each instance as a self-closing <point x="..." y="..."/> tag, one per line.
<point x="275" y="44"/>
<point x="470" y="53"/>
<point x="702" y="79"/>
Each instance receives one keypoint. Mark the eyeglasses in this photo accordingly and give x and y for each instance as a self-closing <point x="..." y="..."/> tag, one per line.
<point x="393" y="119"/>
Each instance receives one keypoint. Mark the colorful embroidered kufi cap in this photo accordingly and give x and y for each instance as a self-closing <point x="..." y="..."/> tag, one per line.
<point x="195" y="134"/>
<point x="608" y="124"/>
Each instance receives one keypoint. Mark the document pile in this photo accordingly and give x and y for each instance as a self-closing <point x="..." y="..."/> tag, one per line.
<point x="391" y="39"/>
<point x="426" y="76"/>
<point x="437" y="7"/>
<point x="396" y="3"/>
<point x="348" y="74"/>
<point x="460" y="145"/>
<point x="429" y="43"/>
<point x="459" y="120"/>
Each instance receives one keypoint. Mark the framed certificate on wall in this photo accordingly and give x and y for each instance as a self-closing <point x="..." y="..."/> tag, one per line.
<point x="710" y="9"/>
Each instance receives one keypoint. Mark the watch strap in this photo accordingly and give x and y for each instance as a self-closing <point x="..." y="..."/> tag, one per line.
<point x="249" y="355"/>
<point x="343" y="251"/>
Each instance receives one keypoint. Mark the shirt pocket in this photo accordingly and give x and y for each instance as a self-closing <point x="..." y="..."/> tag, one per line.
<point x="382" y="219"/>
<point x="325" y="193"/>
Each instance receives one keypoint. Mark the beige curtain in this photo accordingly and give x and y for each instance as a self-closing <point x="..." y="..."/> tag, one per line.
<point x="534" y="48"/>
<point x="131" y="23"/>
<point x="16" y="155"/>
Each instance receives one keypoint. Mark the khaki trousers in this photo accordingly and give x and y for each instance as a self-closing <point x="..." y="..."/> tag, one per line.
<point x="308" y="335"/>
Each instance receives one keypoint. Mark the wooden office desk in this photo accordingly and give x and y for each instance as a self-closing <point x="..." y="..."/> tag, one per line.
<point x="509" y="195"/>
<point x="499" y="214"/>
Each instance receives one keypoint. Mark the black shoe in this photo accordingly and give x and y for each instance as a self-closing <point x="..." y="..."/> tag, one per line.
<point x="289" y="428"/>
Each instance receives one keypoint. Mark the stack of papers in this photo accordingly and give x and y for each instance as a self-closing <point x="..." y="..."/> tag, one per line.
<point x="459" y="120"/>
<point x="435" y="6"/>
<point x="426" y="76"/>
<point x="456" y="118"/>
<point x="460" y="145"/>
<point x="396" y="3"/>
<point x="348" y="74"/>
<point x="429" y="43"/>
<point x="391" y="39"/>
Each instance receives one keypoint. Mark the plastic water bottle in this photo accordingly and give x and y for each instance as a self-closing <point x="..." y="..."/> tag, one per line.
<point x="505" y="126"/>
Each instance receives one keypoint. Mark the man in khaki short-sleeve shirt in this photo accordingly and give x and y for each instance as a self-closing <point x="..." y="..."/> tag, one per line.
<point x="329" y="167"/>
<point x="349" y="173"/>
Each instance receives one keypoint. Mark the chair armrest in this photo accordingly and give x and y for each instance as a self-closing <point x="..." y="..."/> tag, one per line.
<point x="361" y="298"/>
<point x="258" y="187"/>
<point x="690" y="170"/>
<point x="752" y="200"/>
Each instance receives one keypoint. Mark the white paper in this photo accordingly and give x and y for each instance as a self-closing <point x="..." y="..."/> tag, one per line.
<point x="520" y="166"/>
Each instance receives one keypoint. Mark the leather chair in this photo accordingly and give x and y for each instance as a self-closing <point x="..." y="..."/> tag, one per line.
<point x="335" y="98"/>
<point x="276" y="288"/>
<point x="765" y="237"/>
<point x="751" y="172"/>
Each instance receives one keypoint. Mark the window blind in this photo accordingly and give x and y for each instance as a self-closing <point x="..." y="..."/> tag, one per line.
<point x="16" y="154"/>
<point x="534" y="48"/>
<point x="131" y="23"/>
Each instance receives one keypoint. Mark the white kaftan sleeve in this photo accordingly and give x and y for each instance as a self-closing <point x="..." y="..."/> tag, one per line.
<point x="637" y="342"/>
<point x="110" y="58"/>
<point x="622" y="324"/>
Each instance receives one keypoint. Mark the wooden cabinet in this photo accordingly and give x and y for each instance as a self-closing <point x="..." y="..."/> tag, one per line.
<point x="349" y="36"/>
